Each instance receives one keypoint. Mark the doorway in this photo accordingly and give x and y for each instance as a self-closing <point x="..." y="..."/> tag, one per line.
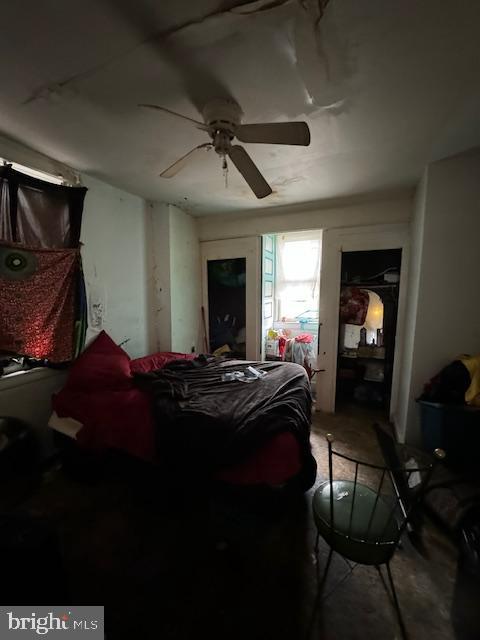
<point x="227" y="304"/>
<point x="231" y="283"/>
<point x="368" y="311"/>
<point x="290" y="297"/>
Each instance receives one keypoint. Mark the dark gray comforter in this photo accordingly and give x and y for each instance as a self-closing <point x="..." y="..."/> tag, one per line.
<point x="216" y="423"/>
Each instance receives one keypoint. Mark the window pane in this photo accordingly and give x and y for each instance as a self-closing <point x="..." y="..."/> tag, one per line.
<point x="300" y="259"/>
<point x="297" y="284"/>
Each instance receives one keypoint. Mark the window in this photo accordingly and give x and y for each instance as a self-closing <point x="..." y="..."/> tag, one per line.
<point x="298" y="276"/>
<point x="33" y="173"/>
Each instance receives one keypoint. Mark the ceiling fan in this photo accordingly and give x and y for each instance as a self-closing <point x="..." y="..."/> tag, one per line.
<point x="222" y="122"/>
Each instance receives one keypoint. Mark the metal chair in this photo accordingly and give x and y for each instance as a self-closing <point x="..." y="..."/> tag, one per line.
<point x="363" y="518"/>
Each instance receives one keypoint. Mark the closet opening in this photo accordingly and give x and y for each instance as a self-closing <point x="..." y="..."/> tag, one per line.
<point x="370" y="285"/>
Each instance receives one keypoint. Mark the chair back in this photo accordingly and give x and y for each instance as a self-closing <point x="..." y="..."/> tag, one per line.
<point x="367" y="504"/>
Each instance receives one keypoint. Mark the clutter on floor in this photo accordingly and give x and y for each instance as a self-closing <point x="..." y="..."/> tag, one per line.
<point x="450" y="418"/>
<point x="282" y="344"/>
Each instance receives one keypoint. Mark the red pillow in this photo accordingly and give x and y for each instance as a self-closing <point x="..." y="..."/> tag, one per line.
<point x="158" y="361"/>
<point x="103" y="365"/>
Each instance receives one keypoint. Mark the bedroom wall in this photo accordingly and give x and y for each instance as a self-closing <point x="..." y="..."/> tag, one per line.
<point x="175" y="278"/>
<point x="158" y="281"/>
<point x="416" y="250"/>
<point x="444" y="307"/>
<point x="334" y="214"/>
<point x="185" y="281"/>
<point x="115" y="264"/>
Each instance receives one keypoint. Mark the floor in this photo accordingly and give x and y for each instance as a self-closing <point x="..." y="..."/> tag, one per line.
<point x="233" y="567"/>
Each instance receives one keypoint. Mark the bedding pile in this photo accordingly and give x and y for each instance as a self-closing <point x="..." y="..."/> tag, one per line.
<point x="202" y="415"/>
<point x="101" y="394"/>
<point x="174" y="409"/>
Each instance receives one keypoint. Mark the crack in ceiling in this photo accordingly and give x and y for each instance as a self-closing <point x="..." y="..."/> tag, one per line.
<point x="159" y="38"/>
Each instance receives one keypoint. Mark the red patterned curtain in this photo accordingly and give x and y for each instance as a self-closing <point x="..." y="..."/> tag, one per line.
<point x="37" y="301"/>
<point x="42" y="300"/>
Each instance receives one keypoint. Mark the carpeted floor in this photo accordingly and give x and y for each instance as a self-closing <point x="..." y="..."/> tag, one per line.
<point x="189" y="565"/>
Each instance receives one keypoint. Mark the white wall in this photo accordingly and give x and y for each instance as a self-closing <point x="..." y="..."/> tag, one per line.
<point x="408" y="345"/>
<point x="114" y="260"/>
<point x="185" y="282"/>
<point x="444" y="306"/>
<point x="343" y="213"/>
<point x="175" y="278"/>
<point x="158" y="282"/>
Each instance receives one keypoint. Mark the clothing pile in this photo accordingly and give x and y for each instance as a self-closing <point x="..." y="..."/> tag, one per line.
<point x="457" y="383"/>
<point x="298" y="349"/>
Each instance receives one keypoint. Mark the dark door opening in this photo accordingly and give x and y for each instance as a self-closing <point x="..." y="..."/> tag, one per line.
<point x="370" y="285"/>
<point x="227" y="306"/>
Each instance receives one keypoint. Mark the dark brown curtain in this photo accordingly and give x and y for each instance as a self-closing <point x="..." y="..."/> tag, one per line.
<point x="40" y="214"/>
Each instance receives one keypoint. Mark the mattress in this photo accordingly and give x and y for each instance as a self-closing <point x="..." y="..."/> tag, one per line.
<point x="239" y="434"/>
<point x="273" y="464"/>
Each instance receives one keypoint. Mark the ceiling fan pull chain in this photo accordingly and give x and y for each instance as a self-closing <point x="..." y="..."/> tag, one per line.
<point x="225" y="171"/>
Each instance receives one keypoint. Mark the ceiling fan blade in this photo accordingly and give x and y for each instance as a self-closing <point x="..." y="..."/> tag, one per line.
<point x="249" y="171"/>
<point x="155" y="107"/>
<point x="178" y="165"/>
<point x="275" y="133"/>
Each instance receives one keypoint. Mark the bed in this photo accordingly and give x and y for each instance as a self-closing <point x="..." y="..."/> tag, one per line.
<point x="175" y="410"/>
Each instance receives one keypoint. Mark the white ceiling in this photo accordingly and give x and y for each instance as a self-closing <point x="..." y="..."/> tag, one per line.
<point x="386" y="86"/>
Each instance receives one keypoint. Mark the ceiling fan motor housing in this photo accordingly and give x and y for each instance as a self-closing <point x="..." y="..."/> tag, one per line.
<point x="222" y="115"/>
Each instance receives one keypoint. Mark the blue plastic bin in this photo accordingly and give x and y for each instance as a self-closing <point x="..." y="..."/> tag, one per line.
<point x="454" y="428"/>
